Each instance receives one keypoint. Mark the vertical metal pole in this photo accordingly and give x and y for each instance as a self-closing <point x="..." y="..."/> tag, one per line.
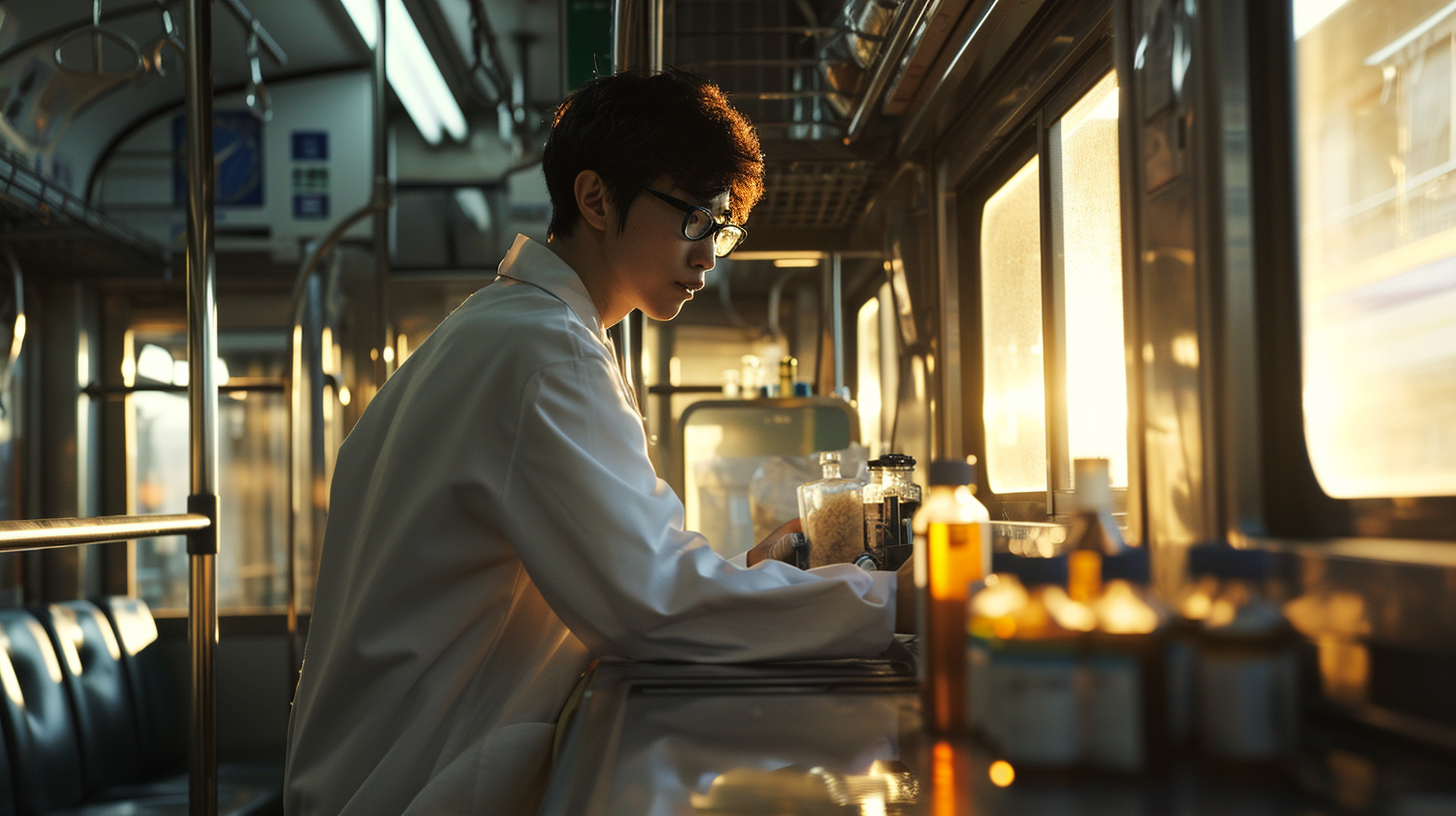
<point x="836" y="318"/>
<point x="381" y="216"/>
<point x="655" y="10"/>
<point x="951" y="436"/>
<point x="202" y="401"/>
<point x="626" y="333"/>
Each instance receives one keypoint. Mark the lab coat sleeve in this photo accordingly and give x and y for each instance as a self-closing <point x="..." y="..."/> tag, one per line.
<point x="602" y="538"/>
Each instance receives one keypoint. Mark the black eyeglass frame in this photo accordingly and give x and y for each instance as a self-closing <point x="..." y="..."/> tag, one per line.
<point x="717" y="226"/>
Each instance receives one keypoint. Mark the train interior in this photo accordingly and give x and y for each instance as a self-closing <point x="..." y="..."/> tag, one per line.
<point x="1206" y="242"/>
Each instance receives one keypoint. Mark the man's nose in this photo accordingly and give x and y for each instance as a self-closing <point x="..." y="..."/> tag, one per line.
<point x="703" y="257"/>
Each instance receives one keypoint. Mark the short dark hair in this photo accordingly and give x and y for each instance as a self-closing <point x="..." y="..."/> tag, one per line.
<point x="633" y="127"/>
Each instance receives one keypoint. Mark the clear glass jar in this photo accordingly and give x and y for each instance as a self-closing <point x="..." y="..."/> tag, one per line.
<point x="832" y="513"/>
<point x="890" y="502"/>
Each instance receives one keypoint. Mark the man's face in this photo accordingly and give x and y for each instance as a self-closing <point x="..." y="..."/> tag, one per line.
<point x="654" y="267"/>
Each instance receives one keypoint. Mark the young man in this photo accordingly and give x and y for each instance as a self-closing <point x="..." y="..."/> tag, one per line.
<point x="495" y="522"/>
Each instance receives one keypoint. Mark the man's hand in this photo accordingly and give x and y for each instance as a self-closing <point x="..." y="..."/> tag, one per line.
<point x="905" y="617"/>
<point x="760" y="552"/>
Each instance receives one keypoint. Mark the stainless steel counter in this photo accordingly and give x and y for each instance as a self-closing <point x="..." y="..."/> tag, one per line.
<point x="838" y="737"/>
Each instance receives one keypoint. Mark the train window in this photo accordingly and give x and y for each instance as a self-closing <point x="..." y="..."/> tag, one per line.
<point x="1377" y="245"/>
<point x="1011" y="328"/>
<point x="252" y="473"/>
<point x="877" y="372"/>
<point x="1054" y="371"/>
<point x="1087" y="231"/>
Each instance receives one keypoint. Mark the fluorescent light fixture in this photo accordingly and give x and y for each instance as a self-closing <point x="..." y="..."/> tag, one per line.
<point x="411" y="70"/>
<point x="796" y="262"/>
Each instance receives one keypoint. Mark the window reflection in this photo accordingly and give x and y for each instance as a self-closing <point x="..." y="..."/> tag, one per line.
<point x="1377" y="211"/>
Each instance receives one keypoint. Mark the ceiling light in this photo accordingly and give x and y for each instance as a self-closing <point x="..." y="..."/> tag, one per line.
<point x="411" y="70"/>
<point x="796" y="262"/>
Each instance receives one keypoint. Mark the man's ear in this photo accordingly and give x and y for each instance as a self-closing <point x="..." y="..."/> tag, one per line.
<point x="592" y="200"/>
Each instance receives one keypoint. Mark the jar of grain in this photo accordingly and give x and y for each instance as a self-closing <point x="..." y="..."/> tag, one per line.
<point x="832" y="512"/>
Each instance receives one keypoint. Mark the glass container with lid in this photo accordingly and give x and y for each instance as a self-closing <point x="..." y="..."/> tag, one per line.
<point x="832" y="513"/>
<point x="890" y="502"/>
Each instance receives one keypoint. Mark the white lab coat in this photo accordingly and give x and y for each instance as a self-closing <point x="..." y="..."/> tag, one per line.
<point x="494" y="523"/>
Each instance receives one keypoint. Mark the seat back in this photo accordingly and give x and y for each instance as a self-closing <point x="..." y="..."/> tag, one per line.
<point x="39" y="727"/>
<point x="91" y="662"/>
<point x="158" y="705"/>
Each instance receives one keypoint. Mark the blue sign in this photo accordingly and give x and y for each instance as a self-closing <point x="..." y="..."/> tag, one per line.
<point x="310" y="145"/>
<point x="237" y="145"/>
<point x="311" y="206"/>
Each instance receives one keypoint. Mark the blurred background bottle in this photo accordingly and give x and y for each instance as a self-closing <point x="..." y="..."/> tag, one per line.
<point x="1094" y="533"/>
<point x="952" y="550"/>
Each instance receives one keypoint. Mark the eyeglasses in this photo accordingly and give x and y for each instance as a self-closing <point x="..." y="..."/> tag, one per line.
<point x="699" y="223"/>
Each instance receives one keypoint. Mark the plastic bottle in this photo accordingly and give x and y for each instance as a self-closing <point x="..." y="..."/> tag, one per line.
<point x="1246" y="666"/>
<point x="1094" y="533"/>
<point x="1034" y="680"/>
<point x="890" y="503"/>
<point x="1126" y="726"/>
<point x="833" y="515"/>
<point x="788" y="373"/>
<point x="752" y="378"/>
<point x="952" y="550"/>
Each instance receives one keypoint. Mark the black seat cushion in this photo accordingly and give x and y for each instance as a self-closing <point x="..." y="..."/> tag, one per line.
<point x="39" y="730"/>
<point x="158" y="705"/>
<point x="91" y="662"/>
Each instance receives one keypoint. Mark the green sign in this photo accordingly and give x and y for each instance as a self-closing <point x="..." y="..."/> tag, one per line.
<point x="588" y="41"/>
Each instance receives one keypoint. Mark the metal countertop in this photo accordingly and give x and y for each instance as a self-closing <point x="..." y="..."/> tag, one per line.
<point x="834" y="737"/>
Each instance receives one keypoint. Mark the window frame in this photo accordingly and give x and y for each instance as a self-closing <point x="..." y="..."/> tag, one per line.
<point x="1033" y="137"/>
<point x="1294" y="503"/>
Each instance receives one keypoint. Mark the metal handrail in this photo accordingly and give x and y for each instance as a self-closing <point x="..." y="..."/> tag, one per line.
<point x="889" y="60"/>
<point x="40" y="534"/>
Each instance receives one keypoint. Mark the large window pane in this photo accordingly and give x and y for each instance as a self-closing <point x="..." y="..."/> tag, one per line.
<point x="1091" y="241"/>
<point x="1011" y="320"/>
<point x="252" y="481"/>
<point x="1377" y="204"/>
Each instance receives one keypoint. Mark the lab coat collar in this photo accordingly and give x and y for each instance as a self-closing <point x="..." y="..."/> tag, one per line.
<point x="533" y="263"/>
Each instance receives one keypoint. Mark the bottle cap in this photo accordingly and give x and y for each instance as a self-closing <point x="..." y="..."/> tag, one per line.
<point x="1092" y="482"/>
<point x="952" y="472"/>
<point x="1223" y="561"/>
<point x="1129" y="565"/>
<point x="1032" y="570"/>
<point x="896" y="460"/>
<point x="829" y="456"/>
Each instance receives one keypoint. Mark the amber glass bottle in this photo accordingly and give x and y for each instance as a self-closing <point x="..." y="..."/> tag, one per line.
<point x="952" y="550"/>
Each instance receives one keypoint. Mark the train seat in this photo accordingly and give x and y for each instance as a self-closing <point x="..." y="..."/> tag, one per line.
<point x="56" y="704"/>
<point x="91" y="660"/>
<point x="39" y="731"/>
<point x="130" y="660"/>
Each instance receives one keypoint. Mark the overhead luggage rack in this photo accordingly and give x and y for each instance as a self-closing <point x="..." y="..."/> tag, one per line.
<point x="49" y="228"/>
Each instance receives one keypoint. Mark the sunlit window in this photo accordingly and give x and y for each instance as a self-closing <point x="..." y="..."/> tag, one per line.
<point x="253" y="502"/>
<point x="1377" y="245"/>
<point x="877" y="371"/>
<point x="1091" y="241"/>
<point x="1082" y="338"/>
<point x="1011" y="320"/>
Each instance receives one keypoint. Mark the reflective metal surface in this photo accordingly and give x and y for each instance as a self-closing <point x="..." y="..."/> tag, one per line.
<point x="839" y="737"/>
<point x="34" y="534"/>
<point x="202" y="399"/>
